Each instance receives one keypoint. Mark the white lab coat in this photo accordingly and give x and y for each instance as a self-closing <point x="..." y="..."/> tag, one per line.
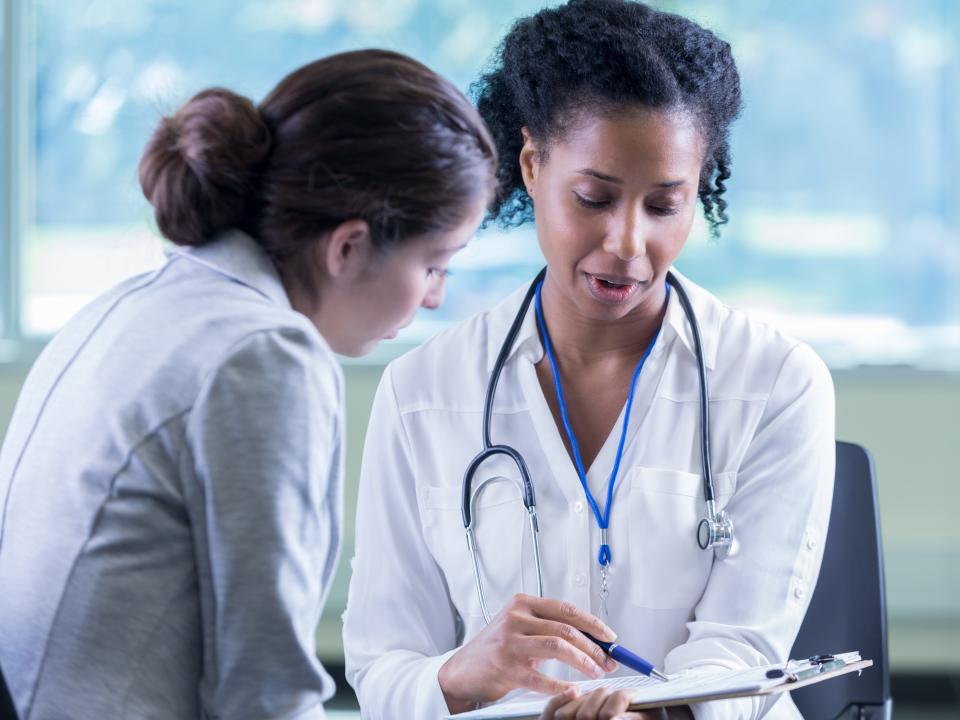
<point x="772" y="435"/>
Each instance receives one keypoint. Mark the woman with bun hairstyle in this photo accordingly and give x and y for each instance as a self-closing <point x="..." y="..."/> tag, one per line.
<point x="612" y="123"/>
<point x="171" y="478"/>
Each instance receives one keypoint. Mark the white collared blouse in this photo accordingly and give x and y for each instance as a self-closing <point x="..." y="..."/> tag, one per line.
<point x="412" y="596"/>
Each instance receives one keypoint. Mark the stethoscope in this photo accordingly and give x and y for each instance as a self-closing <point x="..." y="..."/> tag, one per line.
<point x="715" y="531"/>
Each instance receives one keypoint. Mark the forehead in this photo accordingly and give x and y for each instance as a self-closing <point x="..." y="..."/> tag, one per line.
<point x="632" y="142"/>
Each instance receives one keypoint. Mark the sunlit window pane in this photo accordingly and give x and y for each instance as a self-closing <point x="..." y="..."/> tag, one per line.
<point x="843" y="204"/>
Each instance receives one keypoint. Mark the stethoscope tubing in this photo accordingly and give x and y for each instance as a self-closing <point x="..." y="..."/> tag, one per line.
<point x="708" y="493"/>
<point x="489" y="449"/>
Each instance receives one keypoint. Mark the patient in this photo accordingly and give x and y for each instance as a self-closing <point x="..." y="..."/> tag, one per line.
<point x="172" y="476"/>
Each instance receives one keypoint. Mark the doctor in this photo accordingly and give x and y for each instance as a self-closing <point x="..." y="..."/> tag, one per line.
<point x="171" y="479"/>
<point x="612" y="121"/>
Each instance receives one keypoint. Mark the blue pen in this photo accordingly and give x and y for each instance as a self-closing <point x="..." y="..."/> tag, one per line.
<point x="630" y="659"/>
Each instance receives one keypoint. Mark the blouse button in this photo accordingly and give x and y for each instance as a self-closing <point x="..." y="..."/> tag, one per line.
<point x="799" y="592"/>
<point x="578" y="507"/>
<point x="579" y="579"/>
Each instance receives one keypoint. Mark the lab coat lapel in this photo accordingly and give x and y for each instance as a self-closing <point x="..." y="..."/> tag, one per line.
<point x="551" y="439"/>
<point x="648" y="385"/>
<point x="548" y="435"/>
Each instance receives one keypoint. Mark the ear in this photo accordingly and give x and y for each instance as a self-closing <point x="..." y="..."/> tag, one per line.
<point x="529" y="161"/>
<point x="348" y="250"/>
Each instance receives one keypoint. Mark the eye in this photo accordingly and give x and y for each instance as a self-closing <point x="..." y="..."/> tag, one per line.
<point x="663" y="211"/>
<point x="438" y="272"/>
<point x="589" y="203"/>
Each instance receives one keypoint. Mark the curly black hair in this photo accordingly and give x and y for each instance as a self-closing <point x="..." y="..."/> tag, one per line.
<point x="590" y="55"/>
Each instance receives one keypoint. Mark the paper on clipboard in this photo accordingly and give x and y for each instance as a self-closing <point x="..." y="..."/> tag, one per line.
<point x="689" y="687"/>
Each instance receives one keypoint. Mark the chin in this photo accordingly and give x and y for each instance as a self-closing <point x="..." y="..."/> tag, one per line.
<point x="353" y="349"/>
<point x="365" y="348"/>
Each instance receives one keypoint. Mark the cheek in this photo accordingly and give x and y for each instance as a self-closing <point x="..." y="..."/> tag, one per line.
<point x="681" y="231"/>
<point x="666" y="247"/>
<point x="411" y="285"/>
<point x="391" y="297"/>
<point x="564" y="231"/>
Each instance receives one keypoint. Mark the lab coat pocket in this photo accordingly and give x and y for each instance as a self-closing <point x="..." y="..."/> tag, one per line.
<point x="499" y="523"/>
<point x="668" y="570"/>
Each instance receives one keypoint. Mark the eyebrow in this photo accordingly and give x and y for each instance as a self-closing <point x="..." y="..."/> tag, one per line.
<point x="617" y="181"/>
<point x="444" y="251"/>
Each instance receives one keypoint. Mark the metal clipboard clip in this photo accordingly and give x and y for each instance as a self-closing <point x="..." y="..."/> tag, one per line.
<point x="797" y="670"/>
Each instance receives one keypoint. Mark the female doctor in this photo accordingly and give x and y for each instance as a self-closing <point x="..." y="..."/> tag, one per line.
<point x="612" y="120"/>
<point x="171" y="480"/>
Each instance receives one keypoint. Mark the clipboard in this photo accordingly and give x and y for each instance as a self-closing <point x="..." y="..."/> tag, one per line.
<point x="693" y="687"/>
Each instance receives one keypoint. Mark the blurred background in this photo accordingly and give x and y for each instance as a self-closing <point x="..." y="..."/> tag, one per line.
<point x="844" y="205"/>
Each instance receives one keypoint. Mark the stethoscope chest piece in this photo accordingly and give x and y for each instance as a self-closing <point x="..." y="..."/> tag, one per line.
<point x="716" y="531"/>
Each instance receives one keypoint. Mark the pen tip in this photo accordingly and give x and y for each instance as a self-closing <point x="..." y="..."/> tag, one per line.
<point x="659" y="675"/>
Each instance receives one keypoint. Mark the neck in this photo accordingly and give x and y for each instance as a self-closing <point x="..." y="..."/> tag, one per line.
<point x="302" y="299"/>
<point x="582" y="341"/>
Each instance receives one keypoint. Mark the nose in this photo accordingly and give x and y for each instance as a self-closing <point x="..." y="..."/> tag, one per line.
<point x="627" y="239"/>
<point x="437" y="285"/>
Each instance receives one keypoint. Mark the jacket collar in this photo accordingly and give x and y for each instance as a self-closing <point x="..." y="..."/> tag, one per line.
<point x="706" y="307"/>
<point x="238" y="256"/>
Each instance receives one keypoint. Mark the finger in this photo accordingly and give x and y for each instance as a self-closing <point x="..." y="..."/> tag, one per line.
<point x="592" y="704"/>
<point x="557" y="702"/>
<point x="551" y="647"/>
<point x="615" y="705"/>
<point x="571" y="710"/>
<point x="538" y="682"/>
<point x="566" y="612"/>
<point x="537" y="626"/>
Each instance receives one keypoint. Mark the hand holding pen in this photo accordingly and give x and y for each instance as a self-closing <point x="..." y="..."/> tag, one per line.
<point x="606" y="702"/>
<point x="505" y="655"/>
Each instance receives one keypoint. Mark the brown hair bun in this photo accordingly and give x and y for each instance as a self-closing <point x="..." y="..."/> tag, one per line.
<point x="368" y="134"/>
<point x="200" y="170"/>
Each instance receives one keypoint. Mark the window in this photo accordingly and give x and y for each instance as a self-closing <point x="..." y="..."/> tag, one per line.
<point x="844" y="213"/>
<point x="106" y="72"/>
<point x="842" y="225"/>
<point x="6" y="295"/>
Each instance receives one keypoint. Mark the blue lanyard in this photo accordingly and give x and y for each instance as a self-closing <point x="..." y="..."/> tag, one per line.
<point x="603" y="519"/>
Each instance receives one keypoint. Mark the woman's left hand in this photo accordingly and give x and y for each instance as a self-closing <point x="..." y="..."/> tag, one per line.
<point x="604" y="704"/>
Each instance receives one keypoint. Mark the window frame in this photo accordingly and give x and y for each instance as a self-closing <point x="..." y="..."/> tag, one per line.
<point x="16" y="168"/>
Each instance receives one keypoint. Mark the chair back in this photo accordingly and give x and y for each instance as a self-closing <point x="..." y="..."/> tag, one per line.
<point x="7" y="711"/>
<point x="848" y="608"/>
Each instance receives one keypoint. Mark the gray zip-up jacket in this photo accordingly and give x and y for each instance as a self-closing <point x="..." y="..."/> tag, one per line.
<point x="171" y="501"/>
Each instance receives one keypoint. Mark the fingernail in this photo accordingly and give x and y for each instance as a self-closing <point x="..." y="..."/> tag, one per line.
<point x="597" y="671"/>
<point x="610" y="664"/>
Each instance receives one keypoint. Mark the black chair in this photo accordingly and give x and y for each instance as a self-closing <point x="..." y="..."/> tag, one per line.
<point x="7" y="711"/>
<point x="848" y="608"/>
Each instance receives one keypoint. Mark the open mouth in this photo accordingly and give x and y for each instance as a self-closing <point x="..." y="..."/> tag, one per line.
<point x="610" y="284"/>
<point x="611" y="290"/>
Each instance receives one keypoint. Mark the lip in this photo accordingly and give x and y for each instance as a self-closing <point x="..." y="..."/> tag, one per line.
<point x="390" y="335"/>
<point x="607" y="295"/>
<point x="617" y="279"/>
